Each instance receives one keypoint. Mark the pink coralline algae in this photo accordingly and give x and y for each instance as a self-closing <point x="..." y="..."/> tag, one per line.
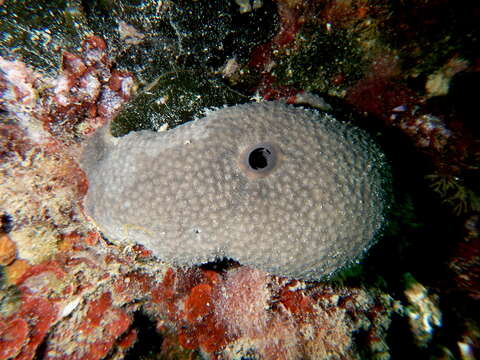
<point x="92" y="335"/>
<point x="13" y="334"/>
<point x="85" y="94"/>
<point x="243" y="310"/>
<point x="239" y="311"/>
<point x="23" y="331"/>
<point x="41" y="187"/>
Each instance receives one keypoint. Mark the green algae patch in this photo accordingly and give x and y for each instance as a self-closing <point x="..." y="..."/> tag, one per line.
<point x="37" y="31"/>
<point x="173" y="99"/>
<point x="320" y="61"/>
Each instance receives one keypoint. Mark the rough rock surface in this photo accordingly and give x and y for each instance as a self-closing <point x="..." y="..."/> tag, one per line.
<point x="290" y="191"/>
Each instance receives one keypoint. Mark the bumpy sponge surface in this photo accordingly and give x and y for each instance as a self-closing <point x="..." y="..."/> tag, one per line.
<point x="293" y="192"/>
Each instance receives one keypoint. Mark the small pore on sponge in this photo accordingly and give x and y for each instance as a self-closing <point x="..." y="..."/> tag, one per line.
<point x="290" y="191"/>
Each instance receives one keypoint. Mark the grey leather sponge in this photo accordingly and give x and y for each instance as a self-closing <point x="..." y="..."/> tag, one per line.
<point x="293" y="192"/>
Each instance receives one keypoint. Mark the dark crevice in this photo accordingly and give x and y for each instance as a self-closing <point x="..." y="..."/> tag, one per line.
<point x="149" y="341"/>
<point x="6" y="222"/>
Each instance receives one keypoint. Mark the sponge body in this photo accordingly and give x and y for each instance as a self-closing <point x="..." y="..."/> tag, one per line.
<point x="192" y="194"/>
